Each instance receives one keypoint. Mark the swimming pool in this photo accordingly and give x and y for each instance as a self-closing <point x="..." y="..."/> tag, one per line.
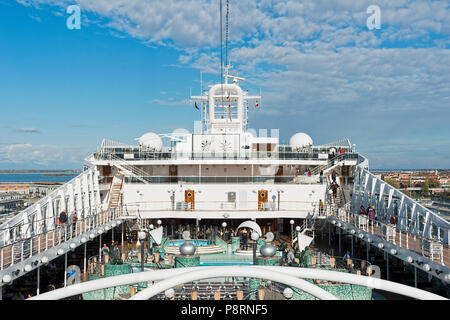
<point x="225" y="263"/>
<point x="198" y="243"/>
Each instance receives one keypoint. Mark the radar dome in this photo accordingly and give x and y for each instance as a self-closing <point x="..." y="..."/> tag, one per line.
<point x="151" y="141"/>
<point x="300" y="140"/>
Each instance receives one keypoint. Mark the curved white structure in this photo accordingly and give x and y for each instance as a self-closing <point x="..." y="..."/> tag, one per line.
<point x="252" y="225"/>
<point x="237" y="271"/>
<point x="297" y="272"/>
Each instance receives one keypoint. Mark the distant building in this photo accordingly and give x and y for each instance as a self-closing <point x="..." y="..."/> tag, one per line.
<point x="21" y="188"/>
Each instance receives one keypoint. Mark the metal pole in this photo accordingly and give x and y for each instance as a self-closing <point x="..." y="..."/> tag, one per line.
<point x="329" y="235"/>
<point x="122" y="236"/>
<point x="100" y="248"/>
<point x="65" y="269"/>
<point x="415" y="276"/>
<point x="112" y="234"/>
<point x="339" y="241"/>
<point x="387" y="266"/>
<point x="84" y="269"/>
<point x="254" y="252"/>
<point x="352" y="245"/>
<point x="368" y="246"/>
<point x="38" y="280"/>
<point x="142" y="255"/>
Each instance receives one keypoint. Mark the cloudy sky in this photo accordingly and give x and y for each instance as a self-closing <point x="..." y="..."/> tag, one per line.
<point x="131" y="66"/>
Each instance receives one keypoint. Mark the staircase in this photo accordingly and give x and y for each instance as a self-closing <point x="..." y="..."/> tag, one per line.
<point x="114" y="193"/>
<point x="329" y="166"/>
<point x="129" y="170"/>
<point x="200" y="249"/>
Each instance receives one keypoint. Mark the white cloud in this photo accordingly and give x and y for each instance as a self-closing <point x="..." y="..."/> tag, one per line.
<point x="42" y="155"/>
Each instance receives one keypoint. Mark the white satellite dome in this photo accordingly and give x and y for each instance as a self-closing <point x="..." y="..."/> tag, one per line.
<point x="151" y="141"/>
<point x="300" y="140"/>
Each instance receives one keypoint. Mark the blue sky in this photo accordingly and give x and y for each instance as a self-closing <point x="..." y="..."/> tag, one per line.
<point x="130" y="68"/>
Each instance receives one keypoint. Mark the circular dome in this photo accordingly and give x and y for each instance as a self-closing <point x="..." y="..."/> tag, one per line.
<point x="187" y="248"/>
<point x="268" y="250"/>
<point x="300" y="140"/>
<point x="151" y="141"/>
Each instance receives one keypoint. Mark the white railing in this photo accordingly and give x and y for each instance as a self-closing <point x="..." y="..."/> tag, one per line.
<point x="24" y="248"/>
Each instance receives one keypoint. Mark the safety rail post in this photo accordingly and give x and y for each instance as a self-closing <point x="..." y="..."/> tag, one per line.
<point x="21" y="253"/>
<point x="46" y="241"/>
<point x="12" y="254"/>
<point x="1" y="262"/>
<point x="39" y="244"/>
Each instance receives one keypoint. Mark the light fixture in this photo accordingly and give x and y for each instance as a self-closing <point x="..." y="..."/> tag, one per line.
<point x="352" y="231"/>
<point x="151" y="226"/>
<point x="393" y="251"/>
<point x="288" y="293"/>
<point x="291" y="222"/>
<point x="333" y="221"/>
<point x="92" y="236"/>
<point x="28" y="268"/>
<point x="409" y="259"/>
<point x="72" y="245"/>
<point x="369" y="240"/>
<point x="60" y="251"/>
<point x="83" y="239"/>
<point x="159" y="222"/>
<point x="113" y="224"/>
<point x="297" y="228"/>
<point x="426" y="267"/>
<point x="339" y="224"/>
<point x="6" y="278"/>
<point x="169" y="293"/>
<point x="44" y="259"/>
<point x="380" y="245"/>
<point x="361" y="236"/>
<point x="255" y="236"/>
<point x="142" y="235"/>
<point x="107" y="227"/>
<point x="100" y="231"/>
<point x="224" y="224"/>
<point x="447" y="277"/>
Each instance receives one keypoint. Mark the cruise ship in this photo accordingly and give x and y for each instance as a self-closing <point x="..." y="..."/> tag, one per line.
<point x="225" y="213"/>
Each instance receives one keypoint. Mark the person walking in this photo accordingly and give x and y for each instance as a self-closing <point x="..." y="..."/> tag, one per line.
<point x="320" y="206"/>
<point x="362" y="210"/>
<point x="372" y="215"/>
<point x="334" y="176"/>
<point x="105" y="251"/>
<point x="290" y="257"/>
<point x="321" y="176"/>
<point x="244" y="240"/>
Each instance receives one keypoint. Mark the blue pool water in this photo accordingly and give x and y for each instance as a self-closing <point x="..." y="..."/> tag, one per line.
<point x="225" y="263"/>
<point x="198" y="243"/>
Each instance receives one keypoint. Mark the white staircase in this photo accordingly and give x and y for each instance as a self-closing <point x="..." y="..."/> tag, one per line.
<point x="114" y="193"/>
<point x="129" y="170"/>
<point x="338" y="160"/>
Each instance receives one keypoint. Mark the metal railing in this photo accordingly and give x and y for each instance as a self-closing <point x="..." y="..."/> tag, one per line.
<point x="243" y="155"/>
<point x="20" y="249"/>
<point x="301" y="179"/>
<point x="390" y="232"/>
<point x="149" y="206"/>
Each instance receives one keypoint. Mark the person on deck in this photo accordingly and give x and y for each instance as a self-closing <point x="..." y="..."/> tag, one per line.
<point x="362" y="210"/>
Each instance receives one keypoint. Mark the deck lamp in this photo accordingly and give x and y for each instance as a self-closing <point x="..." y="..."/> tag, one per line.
<point x="44" y="259"/>
<point x="142" y="235"/>
<point x="151" y="226"/>
<point x="159" y="222"/>
<point x="288" y="293"/>
<point x="409" y="259"/>
<point x="361" y="235"/>
<point x="297" y="228"/>
<point x="393" y="251"/>
<point x="426" y="267"/>
<point x="60" y="251"/>
<point x="83" y="239"/>
<point x="169" y="293"/>
<point x="72" y="245"/>
<point x="28" y="268"/>
<point x="6" y="278"/>
<point x="92" y="236"/>
<point x="352" y="231"/>
<point x="255" y="237"/>
<point x="447" y="277"/>
<point x="380" y="245"/>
